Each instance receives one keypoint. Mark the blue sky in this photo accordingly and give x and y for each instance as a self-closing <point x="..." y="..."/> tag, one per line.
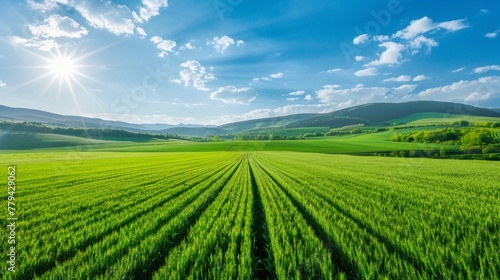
<point x="219" y="61"/>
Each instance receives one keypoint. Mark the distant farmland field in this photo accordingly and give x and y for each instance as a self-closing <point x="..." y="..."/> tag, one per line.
<point x="247" y="215"/>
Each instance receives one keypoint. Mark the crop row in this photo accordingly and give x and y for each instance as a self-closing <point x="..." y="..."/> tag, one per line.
<point x="258" y="215"/>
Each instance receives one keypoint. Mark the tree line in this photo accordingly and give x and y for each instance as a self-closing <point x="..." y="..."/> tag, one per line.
<point x="80" y="132"/>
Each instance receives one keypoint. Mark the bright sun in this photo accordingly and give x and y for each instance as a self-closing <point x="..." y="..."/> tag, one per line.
<point x="63" y="67"/>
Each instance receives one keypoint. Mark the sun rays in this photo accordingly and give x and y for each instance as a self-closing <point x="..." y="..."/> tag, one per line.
<point x="63" y="72"/>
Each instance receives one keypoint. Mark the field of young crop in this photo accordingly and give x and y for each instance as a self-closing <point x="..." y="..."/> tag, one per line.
<point x="238" y="215"/>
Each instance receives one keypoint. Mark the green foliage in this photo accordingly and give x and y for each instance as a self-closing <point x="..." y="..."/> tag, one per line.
<point x="464" y="136"/>
<point x="460" y="123"/>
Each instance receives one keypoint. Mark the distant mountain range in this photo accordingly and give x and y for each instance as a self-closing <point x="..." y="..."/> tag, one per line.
<point x="374" y="113"/>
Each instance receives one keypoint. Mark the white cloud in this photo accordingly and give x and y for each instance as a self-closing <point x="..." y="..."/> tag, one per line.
<point x="266" y="113"/>
<point x="43" y="45"/>
<point x="391" y="55"/>
<point x="420" y="78"/>
<point x="233" y="95"/>
<point x="425" y="24"/>
<point x="166" y="46"/>
<point x="221" y="44"/>
<point x="367" y="72"/>
<point x="484" y="11"/>
<point x="358" y="94"/>
<point x="116" y="19"/>
<point x="196" y="75"/>
<point x="381" y="38"/>
<point x="142" y="34"/>
<point x="2" y="83"/>
<point x="299" y="92"/>
<point x="491" y="35"/>
<point x="149" y="9"/>
<point x="188" y="46"/>
<point x="46" y="5"/>
<point x="292" y="98"/>
<point x="334" y="70"/>
<point x="361" y="39"/>
<point x="276" y="75"/>
<point x="476" y="96"/>
<point x="359" y="58"/>
<point x="458" y="70"/>
<point x="484" y="69"/>
<point x="404" y="89"/>
<point x="58" y="26"/>
<point x="419" y="42"/>
<point x="465" y="91"/>
<point x="454" y="25"/>
<point x="402" y="78"/>
<point x="308" y="97"/>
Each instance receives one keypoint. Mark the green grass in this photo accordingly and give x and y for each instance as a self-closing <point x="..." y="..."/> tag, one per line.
<point x="423" y="119"/>
<point x="351" y="144"/>
<point x="247" y="215"/>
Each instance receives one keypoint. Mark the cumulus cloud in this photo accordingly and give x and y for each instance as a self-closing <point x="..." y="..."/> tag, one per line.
<point x="166" y="46"/>
<point x="292" y="99"/>
<point x="113" y="18"/>
<point x="299" y="92"/>
<point x="420" y="78"/>
<point x="308" y="97"/>
<point x="35" y="42"/>
<point x="381" y="38"/>
<point x="223" y="43"/>
<point x="465" y="91"/>
<point x="196" y="75"/>
<point x="359" y="58"/>
<point x="484" y="69"/>
<point x="361" y="39"/>
<point x="402" y="78"/>
<point x="188" y="46"/>
<point x="411" y="40"/>
<point x="420" y="42"/>
<point x="404" y="89"/>
<point x="372" y="71"/>
<point x="105" y="15"/>
<point x="425" y="24"/>
<point x="276" y="75"/>
<point x="2" y="83"/>
<point x="141" y="33"/>
<point x="233" y="95"/>
<point x="276" y="112"/>
<point x="391" y="55"/>
<point x="149" y="9"/>
<point x="491" y="35"/>
<point x="476" y="96"/>
<point x="334" y="95"/>
<point x="58" y="26"/>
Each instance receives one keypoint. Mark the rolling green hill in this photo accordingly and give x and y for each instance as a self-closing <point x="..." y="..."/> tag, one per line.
<point x="383" y="112"/>
<point x="275" y="122"/>
<point x="374" y="114"/>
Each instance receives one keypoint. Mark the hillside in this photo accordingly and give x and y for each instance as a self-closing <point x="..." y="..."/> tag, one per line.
<point x="195" y="131"/>
<point x="31" y="115"/>
<point x="368" y="114"/>
<point x="276" y="122"/>
<point x="382" y="112"/>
